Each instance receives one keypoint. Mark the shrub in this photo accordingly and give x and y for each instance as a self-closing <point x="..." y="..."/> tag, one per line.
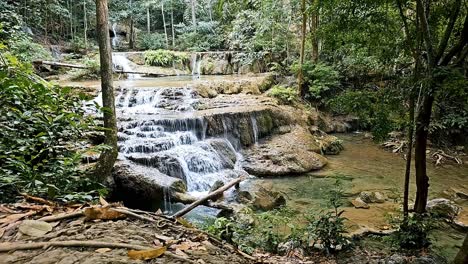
<point x="328" y="227"/>
<point x="91" y="72"/>
<point x="37" y="123"/>
<point x="27" y="51"/>
<point x="412" y="233"/>
<point x="152" y="41"/>
<point x="286" y="95"/>
<point x="165" y="58"/>
<point x="322" y="80"/>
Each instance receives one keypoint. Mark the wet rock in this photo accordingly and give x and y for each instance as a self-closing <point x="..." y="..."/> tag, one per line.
<point x="338" y="124"/>
<point x="225" y="151"/>
<point x="396" y="259"/>
<point x="266" y="199"/>
<point x="379" y="197"/>
<point x="165" y="163"/>
<point x="95" y="137"/>
<point x="139" y="190"/>
<point x="442" y="207"/>
<point x="218" y="184"/>
<point x="287" y="154"/>
<point x="330" y="145"/>
<point x="244" y="197"/>
<point x="359" y="203"/>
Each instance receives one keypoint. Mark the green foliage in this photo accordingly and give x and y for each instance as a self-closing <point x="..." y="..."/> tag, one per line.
<point x="202" y="37"/>
<point x="322" y="80"/>
<point x="38" y="122"/>
<point x="328" y="226"/>
<point x="286" y="95"/>
<point x="152" y="41"/>
<point x="165" y="58"/>
<point x="27" y="51"/>
<point x="376" y="110"/>
<point x="92" y="72"/>
<point x="412" y="232"/>
<point x="262" y="230"/>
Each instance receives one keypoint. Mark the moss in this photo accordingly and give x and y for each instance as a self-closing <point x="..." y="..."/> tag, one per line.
<point x="207" y="66"/>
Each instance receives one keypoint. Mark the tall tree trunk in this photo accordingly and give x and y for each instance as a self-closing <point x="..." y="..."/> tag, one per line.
<point x="131" y="43"/>
<point x="108" y="157"/>
<point x="148" y="20"/>
<point x="462" y="256"/>
<point x="314" y="30"/>
<point x="422" y="131"/>
<point x="194" y="18"/>
<point x="301" y="57"/>
<point x="164" y="24"/>
<point x="172" y="25"/>
<point x="85" y="22"/>
<point x="71" y="21"/>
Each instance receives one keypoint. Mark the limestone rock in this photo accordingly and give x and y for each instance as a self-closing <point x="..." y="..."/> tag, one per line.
<point x="443" y="208"/>
<point x="372" y="197"/>
<point x="139" y="190"/>
<point x="268" y="199"/>
<point x="379" y="197"/>
<point x="226" y="152"/>
<point x="218" y="184"/>
<point x="359" y="203"/>
<point x="244" y="197"/>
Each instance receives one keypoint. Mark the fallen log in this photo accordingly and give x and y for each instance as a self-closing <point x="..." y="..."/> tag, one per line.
<point x="207" y="197"/>
<point x="78" y="66"/>
<point x="188" y="199"/>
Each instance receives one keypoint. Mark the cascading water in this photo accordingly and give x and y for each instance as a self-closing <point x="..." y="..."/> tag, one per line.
<point x="121" y="62"/>
<point x="115" y="39"/>
<point x="196" y="65"/>
<point x="163" y="132"/>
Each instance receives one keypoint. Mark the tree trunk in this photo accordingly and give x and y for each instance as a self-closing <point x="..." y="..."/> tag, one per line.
<point x="172" y="25"/>
<point x="409" y="154"/>
<point x="314" y="29"/>
<point x="107" y="158"/>
<point x="131" y="44"/>
<point x="164" y="24"/>
<point x="85" y="21"/>
<point x="462" y="256"/>
<point x="301" y="57"/>
<point x="194" y="18"/>
<point x="422" y="131"/>
<point x="148" y="20"/>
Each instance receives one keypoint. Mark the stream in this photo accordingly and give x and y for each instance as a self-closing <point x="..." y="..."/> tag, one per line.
<point x="160" y="126"/>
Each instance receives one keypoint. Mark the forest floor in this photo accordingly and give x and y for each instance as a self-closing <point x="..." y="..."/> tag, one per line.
<point x="39" y="231"/>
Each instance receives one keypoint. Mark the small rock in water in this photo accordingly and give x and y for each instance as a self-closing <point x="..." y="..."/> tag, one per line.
<point x="359" y="203"/>
<point x="268" y="199"/>
<point x="379" y="197"/>
<point x="366" y="197"/>
<point x="244" y="197"/>
<point x="218" y="184"/>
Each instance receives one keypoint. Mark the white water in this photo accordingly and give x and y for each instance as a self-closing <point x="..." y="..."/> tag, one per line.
<point x="196" y="66"/>
<point x="115" y="39"/>
<point x="121" y="62"/>
<point x="164" y="133"/>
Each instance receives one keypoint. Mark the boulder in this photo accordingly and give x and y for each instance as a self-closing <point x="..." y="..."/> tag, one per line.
<point x="225" y="151"/>
<point x="138" y="188"/>
<point x="372" y="197"/>
<point x="266" y="199"/>
<point x="287" y="154"/>
<point x="218" y="184"/>
<point x="442" y="207"/>
<point x="359" y="203"/>
<point x="244" y="197"/>
<point x="379" y="197"/>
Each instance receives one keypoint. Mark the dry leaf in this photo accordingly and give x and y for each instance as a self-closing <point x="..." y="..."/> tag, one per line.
<point x="2" y="231"/>
<point x="14" y="217"/>
<point x="34" y="228"/>
<point x="146" y="254"/>
<point x="37" y="200"/>
<point x="157" y="243"/>
<point x="7" y="210"/>
<point x="102" y="213"/>
<point x="102" y="250"/>
<point x="103" y="202"/>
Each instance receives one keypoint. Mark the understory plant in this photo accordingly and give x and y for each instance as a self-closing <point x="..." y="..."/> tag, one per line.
<point x="286" y="95"/>
<point x="412" y="232"/>
<point x="327" y="228"/>
<point x="40" y="124"/>
<point x="165" y="58"/>
<point x="151" y="41"/>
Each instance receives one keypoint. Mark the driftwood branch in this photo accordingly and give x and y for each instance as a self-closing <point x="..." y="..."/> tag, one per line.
<point x="6" y="247"/>
<point x="78" y="66"/>
<point x="188" y="199"/>
<point x="207" y="197"/>
<point x="53" y="218"/>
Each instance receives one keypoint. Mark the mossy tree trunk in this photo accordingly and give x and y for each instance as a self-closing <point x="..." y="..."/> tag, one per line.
<point x="108" y="157"/>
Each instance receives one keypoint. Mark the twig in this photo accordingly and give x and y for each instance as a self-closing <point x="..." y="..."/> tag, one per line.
<point x="37" y="199"/>
<point x="6" y="247"/>
<point x="53" y="218"/>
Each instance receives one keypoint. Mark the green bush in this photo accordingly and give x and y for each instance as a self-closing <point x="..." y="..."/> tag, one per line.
<point x="27" y="51"/>
<point x="92" y="72"/>
<point x="286" y="95"/>
<point x="322" y="80"/>
<point x="38" y="123"/>
<point x="165" y="58"/>
<point x="413" y="232"/>
<point x="152" y="41"/>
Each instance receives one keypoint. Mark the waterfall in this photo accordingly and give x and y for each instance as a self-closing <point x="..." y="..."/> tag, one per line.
<point x="253" y="120"/>
<point x="115" y="39"/>
<point x="162" y="131"/>
<point x="196" y="65"/>
<point x="121" y="62"/>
